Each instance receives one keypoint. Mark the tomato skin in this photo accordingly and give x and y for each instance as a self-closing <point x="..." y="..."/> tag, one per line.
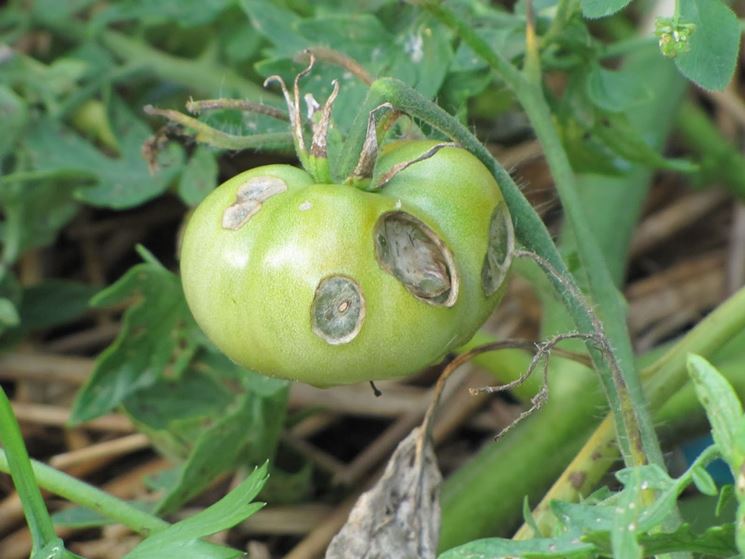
<point x="257" y="290"/>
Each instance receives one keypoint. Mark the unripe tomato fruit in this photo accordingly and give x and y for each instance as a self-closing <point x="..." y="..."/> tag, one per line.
<point x="330" y="284"/>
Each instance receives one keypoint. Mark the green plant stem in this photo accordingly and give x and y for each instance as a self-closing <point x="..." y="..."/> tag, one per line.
<point x="564" y="12"/>
<point x="719" y="158"/>
<point x="662" y="379"/>
<point x="88" y="496"/>
<point x="637" y="437"/>
<point x="18" y="464"/>
<point x="204" y="133"/>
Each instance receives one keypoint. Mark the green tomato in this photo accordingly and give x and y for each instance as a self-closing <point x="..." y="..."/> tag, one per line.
<point x="329" y="284"/>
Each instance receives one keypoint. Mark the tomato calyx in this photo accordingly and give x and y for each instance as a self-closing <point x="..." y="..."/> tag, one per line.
<point x="315" y="160"/>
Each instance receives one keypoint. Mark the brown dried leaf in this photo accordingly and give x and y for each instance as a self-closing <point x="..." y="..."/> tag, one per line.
<point x="399" y="518"/>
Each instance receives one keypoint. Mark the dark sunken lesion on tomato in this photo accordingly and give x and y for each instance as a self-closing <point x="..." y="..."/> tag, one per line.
<point x="411" y="251"/>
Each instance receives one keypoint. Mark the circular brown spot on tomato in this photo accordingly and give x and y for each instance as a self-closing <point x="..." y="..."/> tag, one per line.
<point x="338" y="310"/>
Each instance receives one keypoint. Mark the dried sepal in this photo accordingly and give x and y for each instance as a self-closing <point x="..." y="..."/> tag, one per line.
<point x="381" y="181"/>
<point x="318" y="147"/>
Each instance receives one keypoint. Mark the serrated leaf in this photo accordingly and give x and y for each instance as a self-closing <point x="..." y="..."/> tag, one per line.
<point x="494" y="548"/>
<point x="723" y="408"/>
<point x="180" y="541"/>
<point x="245" y="432"/>
<point x="199" y="177"/>
<point x="717" y="541"/>
<point x="114" y="182"/>
<point x="711" y="59"/>
<point x="601" y="8"/>
<point x="157" y="333"/>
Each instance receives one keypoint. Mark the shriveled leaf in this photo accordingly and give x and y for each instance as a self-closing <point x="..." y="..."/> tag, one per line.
<point x="181" y="540"/>
<point x="601" y="8"/>
<point x="157" y="334"/>
<point x="114" y="182"/>
<point x="399" y="518"/>
<point x="711" y="59"/>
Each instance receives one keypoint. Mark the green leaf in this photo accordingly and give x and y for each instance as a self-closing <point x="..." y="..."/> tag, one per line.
<point x="157" y="334"/>
<point x="54" y="302"/>
<point x="602" y="8"/>
<point x="186" y="13"/>
<point x="13" y="115"/>
<point x="175" y="412"/>
<point x="276" y="24"/>
<point x="723" y="408"/>
<point x="716" y="541"/>
<point x="619" y="135"/>
<point x="246" y="432"/>
<point x="181" y="540"/>
<point x="115" y="182"/>
<point x="704" y="482"/>
<point x="8" y="313"/>
<point x="199" y="177"/>
<point x="493" y="548"/>
<point x="615" y="90"/>
<point x="710" y="62"/>
<point x="34" y="212"/>
<point x="625" y="525"/>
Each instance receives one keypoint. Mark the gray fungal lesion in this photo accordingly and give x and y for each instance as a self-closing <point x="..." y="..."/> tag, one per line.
<point x="338" y="310"/>
<point x="249" y="199"/>
<point x="499" y="250"/>
<point x="413" y="253"/>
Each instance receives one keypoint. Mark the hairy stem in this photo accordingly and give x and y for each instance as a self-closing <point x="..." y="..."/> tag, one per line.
<point x="637" y="437"/>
